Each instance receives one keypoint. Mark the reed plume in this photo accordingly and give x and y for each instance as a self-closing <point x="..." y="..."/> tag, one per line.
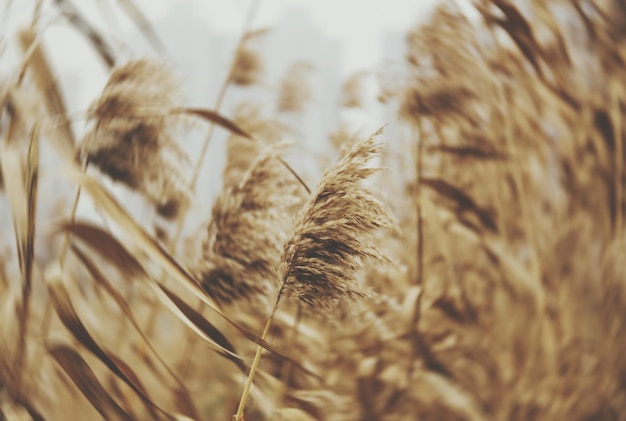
<point x="331" y="238"/>
<point x="295" y="90"/>
<point x="240" y="151"/>
<point x="132" y="140"/>
<point x="249" y="226"/>
<point x="248" y="68"/>
<point x="351" y="92"/>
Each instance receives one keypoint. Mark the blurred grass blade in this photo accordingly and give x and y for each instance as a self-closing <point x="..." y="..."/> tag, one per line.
<point x="113" y="251"/>
<point x="20" y="113"/>
<point x="101" y="280"/>
<point x="86" y="381"/>
<point x="78" y="21"/>
<point x="135" y="14"/>
<point x="469" y="152"/>
<point x="139" y="236"/>
<point x="213" y="117"/>
<point x="184" y="403"/>
<point x="48" y="89"/>
<point x="32" y="178"/>
<point x="521" y="32"/>
<point x="28" y="248"/>
<point x="107" y="246"/>
<point x="70" y="319"/>
<point x="183" y="399"/>
<point x="463" y="201"/>
<point x="13" y="172"/>
<point x="206" y="327"/>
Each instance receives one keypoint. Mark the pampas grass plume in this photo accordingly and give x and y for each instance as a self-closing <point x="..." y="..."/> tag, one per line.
<point x="333" y="236"/>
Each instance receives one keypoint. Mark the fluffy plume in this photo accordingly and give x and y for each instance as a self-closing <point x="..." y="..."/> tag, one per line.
<point x="248" y="230"/>
<point x="132" y="141"/>
<point x="241" y="152"/>
<point x="248" y="68"/>
<point x="351" y="95"/>
<point x="342" y="137"/>
<point x="331" y="238"/>
<point x="295" y="91"/>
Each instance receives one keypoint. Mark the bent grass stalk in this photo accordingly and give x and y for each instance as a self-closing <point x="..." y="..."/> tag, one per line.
<point x="59" y="121"/>
<point x="207" y="140"/>
<point x="194" y="179"/>
<point x="330" y="241"/>
<point x="257" y="357"/>
<point x="286" y="368"/>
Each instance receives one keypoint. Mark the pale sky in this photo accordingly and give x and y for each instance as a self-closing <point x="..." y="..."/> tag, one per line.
<point x="357" y="24"/>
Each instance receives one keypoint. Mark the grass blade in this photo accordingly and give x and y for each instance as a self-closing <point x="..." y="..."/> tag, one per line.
<point x="135" y="14"/>
<point x="80" y="23"/>
<point x="463" y="201"/>
<point x="213" y="117"/>
<point x="28" y="248"/>
<point x="48" y="89"/>
<point x="70" y="319"/>
<point x="206" y="327"/>
<point x="86" y="381"/>
<point x="113" y="251"/>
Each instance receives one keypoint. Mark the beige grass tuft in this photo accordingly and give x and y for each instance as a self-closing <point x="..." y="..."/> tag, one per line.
<point x="248" y="68"/>
<point x="132" y="140"/>
<point x="333" y="236"/>
<point x="249" y="226"/>
<point x="241" y="152"/>
<point x="295" y="90"/>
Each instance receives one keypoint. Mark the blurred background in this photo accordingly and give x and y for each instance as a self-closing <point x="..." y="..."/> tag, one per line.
<point x="331" y="42"/>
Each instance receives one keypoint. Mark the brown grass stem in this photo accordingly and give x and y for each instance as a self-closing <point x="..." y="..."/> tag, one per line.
<point x="257" y="357"/>
<point x="286" y="368"/>
<point x="27" y="243"/>
<point x="417" y="196"/>
<point x="616" y="95"/>
<point x="45" y="322"/>
<point x="189" y="345"/>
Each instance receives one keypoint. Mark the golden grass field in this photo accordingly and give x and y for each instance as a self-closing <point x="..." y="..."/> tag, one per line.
<point x="478" y="276"/>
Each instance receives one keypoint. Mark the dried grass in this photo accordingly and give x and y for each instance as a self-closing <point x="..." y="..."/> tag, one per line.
<point x="332" y="236"/>
<point x="506" y="298"/>
<point x="247" y="231"/>
<point x="241" y="152"/>
<point x="248" y="68"/>
<point x="133" y="138"/>
<point x="294" y="91"/>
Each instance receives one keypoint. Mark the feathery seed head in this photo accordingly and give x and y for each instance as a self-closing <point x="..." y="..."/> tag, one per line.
<point x="248" y="68"/>
<point x="241" y="152"/>
<point x="132" y="140"/>
<point x="249" y="227"/>
<point x="331" y="237"/>
<point x="295" y="90"/>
